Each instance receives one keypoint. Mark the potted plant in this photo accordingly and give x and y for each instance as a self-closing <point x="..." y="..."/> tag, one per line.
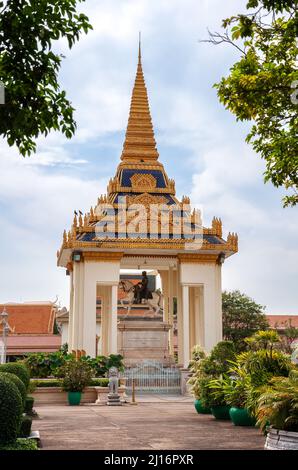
<point x="197" y="380"/>
<point x="76" y="376"/>
<point x="278" y="405"/>
<point x="216" y="399"/>
<point x="235" y="389"/>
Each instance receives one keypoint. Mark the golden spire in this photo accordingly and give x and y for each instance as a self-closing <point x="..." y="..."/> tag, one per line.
<point x="139" y="144"/>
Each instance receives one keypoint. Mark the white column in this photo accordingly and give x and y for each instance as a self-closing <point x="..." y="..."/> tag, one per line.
<point x="76" y="306"/>
<point x="104" y="321"/>
<point x="81" y="307"/>
<point x="164" y="287"/>
<point x="70" y="317"/>
<point x="170" y="319"/>
<point x="186" y="344"/>
<point x="88" y="334"/>
<point x="179" y="321"/>
<point x="113" y="320"/>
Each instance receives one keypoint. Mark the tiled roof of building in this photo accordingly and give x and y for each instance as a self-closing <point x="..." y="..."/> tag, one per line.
<point x="30" y="318"/>
<point x="282" y="321"/>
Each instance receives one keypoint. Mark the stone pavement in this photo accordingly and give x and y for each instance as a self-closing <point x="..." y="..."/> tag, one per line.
<point x="167" y="424"/>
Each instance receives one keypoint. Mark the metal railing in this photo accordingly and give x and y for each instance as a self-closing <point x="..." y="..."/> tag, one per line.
<point x="152" y="376"/>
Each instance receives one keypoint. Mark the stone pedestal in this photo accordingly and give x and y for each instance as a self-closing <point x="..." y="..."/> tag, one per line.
<point x="185" y="388"/>
<point x="144" y="340"/>
<point x="114" y="399"/>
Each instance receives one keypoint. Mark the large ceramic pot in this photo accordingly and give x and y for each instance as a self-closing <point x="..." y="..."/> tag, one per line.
<point x="220" y="412"/>
<point x="201" y="409"/>
<point x="241" y="417"/>
<point x="74" y="398"/>
<point x="281" y="440"/>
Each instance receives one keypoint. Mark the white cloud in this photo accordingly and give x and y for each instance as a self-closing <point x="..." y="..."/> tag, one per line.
<point x="36" y="207"/>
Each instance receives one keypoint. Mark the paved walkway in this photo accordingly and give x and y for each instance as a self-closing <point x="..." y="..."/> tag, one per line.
<point x="156" y="425"/>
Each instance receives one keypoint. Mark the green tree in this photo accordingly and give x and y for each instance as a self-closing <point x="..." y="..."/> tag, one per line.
<point x="262" y="85"/>
<point x="242" y="317"/>
<point x="34" y="102"/>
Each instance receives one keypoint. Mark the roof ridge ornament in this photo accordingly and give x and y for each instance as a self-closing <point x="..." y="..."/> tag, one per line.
<point x="139" y="144"/>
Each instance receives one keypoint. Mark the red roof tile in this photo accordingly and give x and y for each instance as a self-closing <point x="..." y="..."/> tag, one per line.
<point x="30" y="318"/>
<point x="282" y="320"/>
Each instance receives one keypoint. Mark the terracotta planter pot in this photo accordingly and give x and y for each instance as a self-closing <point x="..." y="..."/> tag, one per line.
<point x="74" y="398"/>
<point x="241" y="417"/>
<point x="201" y="409"/>
<point x="221" y="412"/>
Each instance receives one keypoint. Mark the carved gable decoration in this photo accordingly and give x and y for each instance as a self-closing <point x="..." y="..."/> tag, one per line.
<point x="143" y="181"/>
<point x="146" y="199"/>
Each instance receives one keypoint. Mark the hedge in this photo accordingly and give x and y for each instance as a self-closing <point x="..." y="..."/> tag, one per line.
<point x="29" y="405"/>
<point x="96" y="382"/>
<point x="10" y="411"/>
<point x="21" y="444"/>
<point x="20" y="385"/>
<point x="20" y="370"/>
<point x="25" y="427"/>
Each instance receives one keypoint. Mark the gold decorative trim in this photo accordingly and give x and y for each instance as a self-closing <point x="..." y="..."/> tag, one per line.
<point x="102" y="256"/>
<point x="143" y="180"/>
<point x="197" y="258"/>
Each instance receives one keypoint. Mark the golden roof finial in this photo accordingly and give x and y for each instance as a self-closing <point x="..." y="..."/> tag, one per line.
<point x="140" y="55"/>
<point x="139" y="145"/>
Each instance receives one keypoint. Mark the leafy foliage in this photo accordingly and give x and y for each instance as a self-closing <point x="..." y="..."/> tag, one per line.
<point x="76" y="375"/>
<point x="34" y="101"/>
<point x="216" y="395"/>
<point x="44" y="365"/>
<point x="102" y="364"/>
<point x="10" y="411"/>
<point x="21" y="444"/>
<point x="18" y="383"/>
<point x="262" y="86"/>
<point x="25" y="426"/>
<point x="262" y="365"/>
<point x="19" y="369"/>
<point x="278" y="404"/>
<point x="29" y="402"/>
<point x="236" y="386"/>
<point x="242" y="317"/>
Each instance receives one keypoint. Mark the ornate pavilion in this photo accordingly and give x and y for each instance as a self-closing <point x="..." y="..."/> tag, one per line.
<point x="137" y="224"/>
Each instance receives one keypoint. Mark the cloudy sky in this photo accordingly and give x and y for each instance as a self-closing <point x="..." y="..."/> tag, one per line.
<point x="201" y="145"/>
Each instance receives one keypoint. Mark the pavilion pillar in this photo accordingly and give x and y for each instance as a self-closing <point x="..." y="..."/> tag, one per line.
<point x="186" y="339"/>
<point x="70" y="321"/>
<point x="113" y="333"/>
<point x="179" y="319"/>
<point x="171" y="306"/>
<point x="165" y="290"/>
<point x="104" y="322"/>
<point x="78" y="272"/>
<point x="88" y="328"/>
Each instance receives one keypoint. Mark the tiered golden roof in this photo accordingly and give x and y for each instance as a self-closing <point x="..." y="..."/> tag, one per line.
<point x="141" y="179"/>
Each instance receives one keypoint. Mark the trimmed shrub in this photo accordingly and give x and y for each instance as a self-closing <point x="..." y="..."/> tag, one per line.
<point x="99" y="382"/>
<point x="25" y="427"/>
<point x="10" y="411"/>
<point x="28" y="405"/>
<point x="21" y="444"/>
<point x="47" y="383"/>
<point x="21" y="387"/>
<point x="96" y="382"/>
<point x="20" y="370"/>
